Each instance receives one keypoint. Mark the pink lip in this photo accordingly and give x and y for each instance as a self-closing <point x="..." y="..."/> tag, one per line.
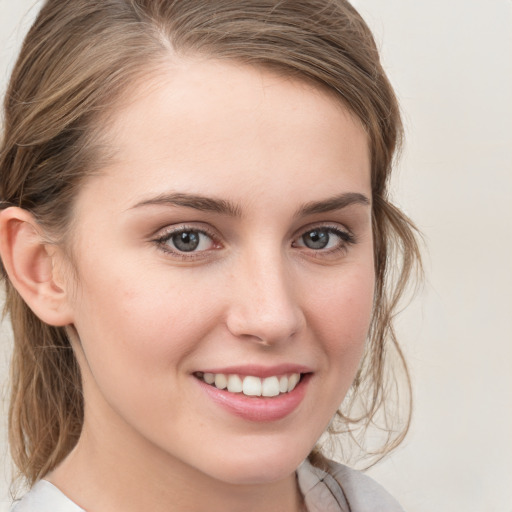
<point x="257" y="409"/>
<point x="260" y="371"/>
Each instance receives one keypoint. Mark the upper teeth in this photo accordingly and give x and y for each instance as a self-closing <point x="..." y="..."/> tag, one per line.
<point x="250" y="385"/>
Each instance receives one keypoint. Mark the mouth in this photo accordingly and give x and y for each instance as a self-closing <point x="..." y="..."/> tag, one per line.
<point x="255" y="393"/>
<point x="250" y="385"/>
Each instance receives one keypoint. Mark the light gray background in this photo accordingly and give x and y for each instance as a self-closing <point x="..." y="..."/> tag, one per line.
<point x="451" y="64"/>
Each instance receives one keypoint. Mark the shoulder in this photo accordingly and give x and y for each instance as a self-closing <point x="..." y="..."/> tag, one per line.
<point x="339" y="488"/>
<point x="45" y="497"/>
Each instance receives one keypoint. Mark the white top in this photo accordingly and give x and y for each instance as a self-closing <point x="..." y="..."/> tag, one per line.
<point x="339" y="489"/>
<point x="45" y="497"/>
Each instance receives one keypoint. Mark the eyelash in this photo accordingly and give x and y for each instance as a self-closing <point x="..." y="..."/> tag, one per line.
<point x="163" y="242"/>
<point x="346" y="239"/>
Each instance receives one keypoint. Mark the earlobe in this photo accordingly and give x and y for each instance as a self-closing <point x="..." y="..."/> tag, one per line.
<point x="31" y="265"/>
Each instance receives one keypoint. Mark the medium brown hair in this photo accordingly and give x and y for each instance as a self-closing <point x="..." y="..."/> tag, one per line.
<point x="77" y="60"/>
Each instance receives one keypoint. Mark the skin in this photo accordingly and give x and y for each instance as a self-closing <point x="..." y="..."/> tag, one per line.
<point x="144" y="317"/>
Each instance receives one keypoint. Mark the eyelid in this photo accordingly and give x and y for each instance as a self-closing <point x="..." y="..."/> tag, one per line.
<point x="162" y="236"/>
<point x="330" y="226"/>
<point x="346" y="235"/>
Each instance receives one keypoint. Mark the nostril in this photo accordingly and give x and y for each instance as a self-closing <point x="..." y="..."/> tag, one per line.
<point x="264" y="306"/>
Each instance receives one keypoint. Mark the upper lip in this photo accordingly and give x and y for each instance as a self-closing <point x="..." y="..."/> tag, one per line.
<point x="260" y="370"/>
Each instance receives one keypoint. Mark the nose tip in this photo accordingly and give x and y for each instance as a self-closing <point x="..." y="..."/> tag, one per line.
<point x="264" y="308"/>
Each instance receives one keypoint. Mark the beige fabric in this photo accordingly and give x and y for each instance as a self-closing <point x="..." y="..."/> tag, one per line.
<point x="341" y="489"/>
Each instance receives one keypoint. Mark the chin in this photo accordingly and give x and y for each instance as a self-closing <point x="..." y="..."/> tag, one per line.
<point x="259" y="468"/>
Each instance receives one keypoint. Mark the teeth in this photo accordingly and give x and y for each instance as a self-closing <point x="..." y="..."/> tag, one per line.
<point x="220" y="381"/>
<point x="235" y="384"/>
<point x="209" y="378"/>
<point x="293" y="381"/>
<point x="252" y="386"/>
<point x="270" y="386"/>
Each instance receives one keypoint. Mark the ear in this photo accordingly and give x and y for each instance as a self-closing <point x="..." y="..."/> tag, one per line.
<point x="34" y="267"/>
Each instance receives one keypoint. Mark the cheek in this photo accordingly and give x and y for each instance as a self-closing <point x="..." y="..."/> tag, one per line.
<point x="344" y="304"/>
<point x="134" y="340"/>
<point x="342" y="314"/>
<point x="141" y="323"/>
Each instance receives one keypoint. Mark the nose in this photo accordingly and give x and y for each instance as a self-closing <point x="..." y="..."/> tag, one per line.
<point x="264" y="306"/>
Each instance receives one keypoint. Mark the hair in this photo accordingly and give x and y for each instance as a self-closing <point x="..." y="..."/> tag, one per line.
<point x="78" y="59"/>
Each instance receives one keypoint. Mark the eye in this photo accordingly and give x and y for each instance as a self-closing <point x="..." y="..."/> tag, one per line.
<point x="186" y="240"/>
<point x="325" y="239"/>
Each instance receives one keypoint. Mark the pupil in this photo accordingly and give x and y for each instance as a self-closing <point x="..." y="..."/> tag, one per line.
<point x="186" y="241"/>
<point x="317" y="239"/>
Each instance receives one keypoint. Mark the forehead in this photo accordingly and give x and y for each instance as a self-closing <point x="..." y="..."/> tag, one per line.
<point x="206" y="124"/>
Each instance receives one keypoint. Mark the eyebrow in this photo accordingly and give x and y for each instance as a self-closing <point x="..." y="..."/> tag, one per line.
<point x="222" y="206"/>
<point x="202" y="203"/>
<point x="333" y="203"/>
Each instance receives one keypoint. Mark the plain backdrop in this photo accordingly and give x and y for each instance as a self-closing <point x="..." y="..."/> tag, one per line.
<point x="451" y="64"/>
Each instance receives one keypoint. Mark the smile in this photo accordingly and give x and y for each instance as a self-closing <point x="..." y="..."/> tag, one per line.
<point x="250" y="385"/>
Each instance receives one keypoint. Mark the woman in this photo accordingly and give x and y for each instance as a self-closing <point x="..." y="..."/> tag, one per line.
<point x="196" y="236"/>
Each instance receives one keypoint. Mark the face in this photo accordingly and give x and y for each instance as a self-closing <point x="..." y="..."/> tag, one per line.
<point x="228" y="244"/>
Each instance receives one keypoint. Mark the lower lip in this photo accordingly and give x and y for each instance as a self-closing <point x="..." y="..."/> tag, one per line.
<point x="258" y="409"/>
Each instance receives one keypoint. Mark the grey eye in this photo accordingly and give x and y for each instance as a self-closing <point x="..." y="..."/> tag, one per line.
<point x="325" y="238"/>
<point x="317" y="238"/>
<point x="186" y="241"/>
